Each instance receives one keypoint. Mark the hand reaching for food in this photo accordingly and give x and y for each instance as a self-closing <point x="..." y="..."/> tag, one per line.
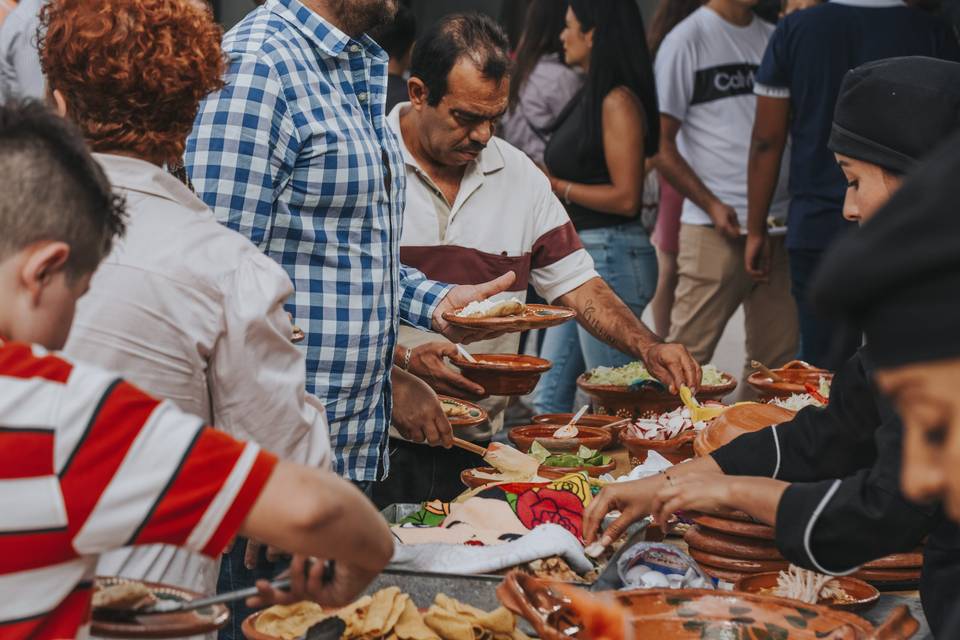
<point x="672" y="364"/>
<point x="718" y="493"/>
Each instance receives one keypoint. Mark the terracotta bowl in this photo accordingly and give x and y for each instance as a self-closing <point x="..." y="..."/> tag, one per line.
<point x="864" y="595"/>
<point x="675" y="449"/>
<point x="590" y="437"/>
<point x="736" y="421"/>
<point x="503" y="374"/>
<point x="689" y="614"/>
<point x="249" y="629"/>
<point x="588" y="420"/>
<point x="647" y="402"/>
<point x="168" y="625"/>
<point x="796" y="374"/>
<point x="471" y="481"/>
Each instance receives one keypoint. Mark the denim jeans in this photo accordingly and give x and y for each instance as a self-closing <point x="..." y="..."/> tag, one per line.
<point x="626" y="260"/>
<point x="822" y="343"/>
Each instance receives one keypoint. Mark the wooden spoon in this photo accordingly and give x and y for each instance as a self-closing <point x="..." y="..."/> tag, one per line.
<point x="765" y="370"/>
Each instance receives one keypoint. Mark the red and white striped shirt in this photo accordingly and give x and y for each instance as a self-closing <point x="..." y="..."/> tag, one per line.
<point x="89" y="463"/>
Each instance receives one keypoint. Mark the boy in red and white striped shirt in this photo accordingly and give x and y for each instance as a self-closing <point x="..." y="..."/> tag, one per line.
<point x="89" y="463"/>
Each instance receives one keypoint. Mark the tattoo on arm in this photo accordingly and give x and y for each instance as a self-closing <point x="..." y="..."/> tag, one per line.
<point x="608" y="318"/>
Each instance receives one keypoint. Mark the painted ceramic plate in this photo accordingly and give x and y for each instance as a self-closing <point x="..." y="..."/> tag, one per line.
<point x="535" y="316"/>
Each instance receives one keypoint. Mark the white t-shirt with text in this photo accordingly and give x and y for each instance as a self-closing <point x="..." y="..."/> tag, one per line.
<point x="705" y="69"/>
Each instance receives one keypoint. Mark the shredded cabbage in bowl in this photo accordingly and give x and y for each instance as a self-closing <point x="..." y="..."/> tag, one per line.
<point x="635" y="372"/>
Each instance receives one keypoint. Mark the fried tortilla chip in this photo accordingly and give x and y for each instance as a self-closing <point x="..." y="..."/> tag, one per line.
<point x="411" y="626"/>
<point x="290" y="621"/>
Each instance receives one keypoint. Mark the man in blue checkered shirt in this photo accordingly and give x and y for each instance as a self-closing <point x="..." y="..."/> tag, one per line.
<point x="296" y="154"/>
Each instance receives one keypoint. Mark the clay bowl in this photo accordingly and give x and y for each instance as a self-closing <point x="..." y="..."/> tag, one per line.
<point x="469" y="478"/>
<point x="736" y="421"/>
<point x="864" y="595"/>
<point x="590" y="437"/>
<point x="646" y="402"/>
<point x="796" y="374"/>
<point x="478" y="415"/>
<point x="690" y="614"/>
<point x="735" y="527"/>
<point x="167" y="625"/>
<point x="503" y="374"/>
<point x="675" y="449"/>
<point x="613" y="424"/>
<point x="249" y="630"/>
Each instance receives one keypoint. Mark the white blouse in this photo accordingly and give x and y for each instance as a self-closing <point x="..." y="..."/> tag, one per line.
<point x="192" y="312"/>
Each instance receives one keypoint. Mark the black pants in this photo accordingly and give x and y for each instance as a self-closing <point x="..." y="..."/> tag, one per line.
<point x="419" y="473"/>
<point x="822" y="343"/>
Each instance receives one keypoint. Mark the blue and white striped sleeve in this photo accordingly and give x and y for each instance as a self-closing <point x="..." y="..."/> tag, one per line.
<point x="243" y="147"/>
<point x="419" y="297"/>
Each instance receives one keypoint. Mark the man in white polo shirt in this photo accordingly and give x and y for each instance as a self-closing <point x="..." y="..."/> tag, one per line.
<point x="477" y="206"/>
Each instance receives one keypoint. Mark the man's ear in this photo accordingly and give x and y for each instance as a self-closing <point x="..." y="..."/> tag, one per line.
<point x="46" y="260"/>
<point x="418" y="92"/>
<point x="58" y="102"/>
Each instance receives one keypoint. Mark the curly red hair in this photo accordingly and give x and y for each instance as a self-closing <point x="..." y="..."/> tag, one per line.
<point x="133" y="72"/>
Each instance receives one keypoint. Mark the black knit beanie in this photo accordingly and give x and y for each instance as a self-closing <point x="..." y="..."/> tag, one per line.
<point x="898" y="277"/>
<point x="892" y="112"/>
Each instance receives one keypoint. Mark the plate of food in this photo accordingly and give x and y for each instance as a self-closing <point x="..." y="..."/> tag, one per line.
<point x="631" y="391"/>
<point x="388" y="613"/>
<point x="461" y="413"/>
<point x="509" y="315"/>
<point x="560" y="612"/>
<point x="798" y="377"/>
<point x="117" y="600"/>
<point x="843" y="592"/>
<point x="594" y="438"/>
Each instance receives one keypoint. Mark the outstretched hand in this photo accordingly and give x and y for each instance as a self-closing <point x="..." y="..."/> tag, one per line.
<point x="672" y="364"/>
<point x="462" y="295"/>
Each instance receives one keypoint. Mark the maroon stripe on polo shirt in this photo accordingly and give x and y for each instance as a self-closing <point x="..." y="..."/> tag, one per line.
<point x="462" y="265"/>
<point x="555" y="245"/>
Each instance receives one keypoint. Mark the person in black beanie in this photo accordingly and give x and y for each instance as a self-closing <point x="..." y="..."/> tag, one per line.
<point x="829" y="479"/>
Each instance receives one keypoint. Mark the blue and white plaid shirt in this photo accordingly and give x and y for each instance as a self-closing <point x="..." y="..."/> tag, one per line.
<point x="296" y="154"/>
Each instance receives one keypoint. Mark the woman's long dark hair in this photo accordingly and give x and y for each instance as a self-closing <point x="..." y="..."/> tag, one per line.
<point x="541" y="36"/>
<point x="669" y="14"/>
<point x="619" y="58"/>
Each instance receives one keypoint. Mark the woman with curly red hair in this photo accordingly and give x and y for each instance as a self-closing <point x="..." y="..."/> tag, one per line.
<point x="184" y="307"/>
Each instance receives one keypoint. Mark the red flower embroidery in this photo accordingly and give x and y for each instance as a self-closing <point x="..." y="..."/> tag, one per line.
<point x="549" y="506"/>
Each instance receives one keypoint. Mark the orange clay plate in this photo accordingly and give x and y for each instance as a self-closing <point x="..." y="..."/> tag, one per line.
<point x="862" y="595"/>
<point x="471" y="414"/>
<point x="735" y="527"/>
<point x="535" y="316"/>
<point x="162" y="625"/>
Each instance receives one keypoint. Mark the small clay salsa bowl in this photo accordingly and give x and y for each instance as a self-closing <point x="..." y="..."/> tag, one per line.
<point x="590" y="437"/>
<point x="587" y="420"/>
<point x="863" y="596"/>
<point x="503" y="374"/>
<point x="675" y="449"/>
<point x="647" y="401"/>
<point x="796" y="373"/>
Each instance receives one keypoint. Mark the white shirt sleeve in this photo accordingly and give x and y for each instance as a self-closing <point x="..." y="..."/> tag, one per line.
<point x="675" y="69"/>
<point x="258" y="376"/>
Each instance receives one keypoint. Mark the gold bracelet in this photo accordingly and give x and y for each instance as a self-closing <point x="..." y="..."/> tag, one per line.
<point x="407" y="354"/>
